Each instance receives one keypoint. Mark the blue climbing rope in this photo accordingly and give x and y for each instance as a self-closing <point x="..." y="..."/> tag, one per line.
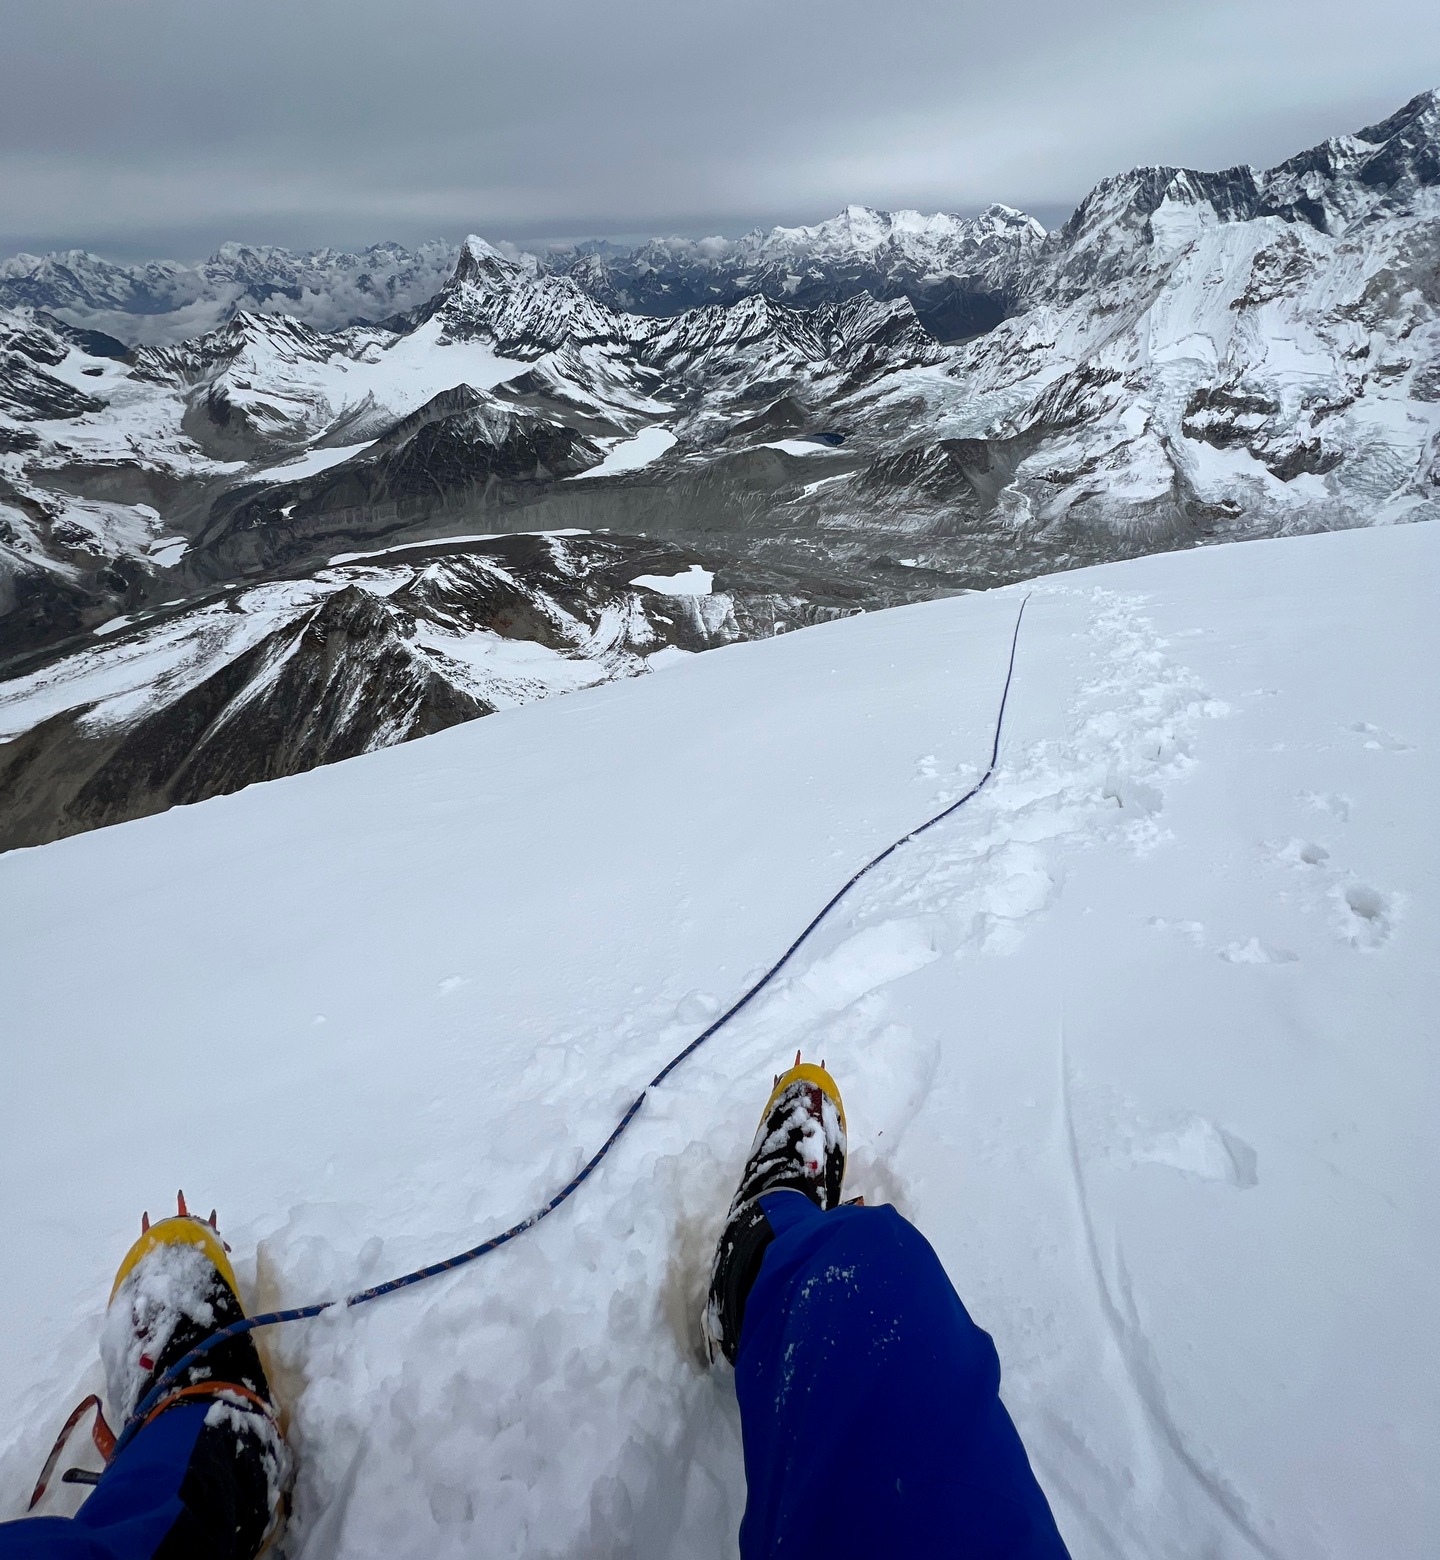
<point x="158" y="1392"/>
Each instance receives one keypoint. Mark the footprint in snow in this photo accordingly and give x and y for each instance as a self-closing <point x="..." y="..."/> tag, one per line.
<point x="1364" y="916"/>
<point x="697" y="1007"/>
<point x="871" y="958"/>
<point x="1332" y="802"/>
<point x="1203" y="1149"/>
<point x="1253" y="951"/>
<point x="1302" y="853"/>
<point x="1376" y="737"/>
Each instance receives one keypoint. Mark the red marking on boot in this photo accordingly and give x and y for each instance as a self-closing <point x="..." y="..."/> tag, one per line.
<point x="180" y="1199"/>
<point x="146" y="1363"/>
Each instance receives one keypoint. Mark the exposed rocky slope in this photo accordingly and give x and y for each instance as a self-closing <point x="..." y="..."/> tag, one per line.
<point x="256" y="682"/>
<point x="1216" y="354"/>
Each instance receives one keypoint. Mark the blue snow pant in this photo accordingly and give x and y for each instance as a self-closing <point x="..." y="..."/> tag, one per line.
<point x="870" y="1403"/>
<point x="869" y="1407"/>
<point x="136" y="1511"/>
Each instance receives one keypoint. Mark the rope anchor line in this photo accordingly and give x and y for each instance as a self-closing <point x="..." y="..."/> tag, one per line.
<point x="148" y="1403"/>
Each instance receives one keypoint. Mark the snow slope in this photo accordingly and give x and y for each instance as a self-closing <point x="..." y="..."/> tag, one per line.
<point x="1142" y="1039"/>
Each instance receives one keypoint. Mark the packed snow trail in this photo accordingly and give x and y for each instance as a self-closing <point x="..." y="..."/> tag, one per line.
<point x="1139" y="1038"/>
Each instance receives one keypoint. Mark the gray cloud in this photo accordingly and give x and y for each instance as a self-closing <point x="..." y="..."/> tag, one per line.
<point x="169" y="125"/>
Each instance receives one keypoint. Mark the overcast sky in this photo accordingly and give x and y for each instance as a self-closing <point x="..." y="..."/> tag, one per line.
<point x="150" y="127"/>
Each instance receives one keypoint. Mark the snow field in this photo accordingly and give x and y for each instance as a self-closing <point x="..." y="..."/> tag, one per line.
<point x="631" y="454"/>
<point x="1139" y="1039"/>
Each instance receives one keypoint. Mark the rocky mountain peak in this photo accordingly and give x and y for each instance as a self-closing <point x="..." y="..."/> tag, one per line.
<point x="1420" y="117"/>
<point x="479" y="261"/>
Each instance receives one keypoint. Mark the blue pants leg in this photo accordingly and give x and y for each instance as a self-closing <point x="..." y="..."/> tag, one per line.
<point x="133" y="1508"/>
<point x="870" y="1406"/>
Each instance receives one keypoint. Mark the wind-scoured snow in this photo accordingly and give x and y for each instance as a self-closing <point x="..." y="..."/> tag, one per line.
<point x="798" y="446"/>
<point x="311" y="464"/>
<point x="447" y="541"/>
<point x="648" y="445"/>
<point x="694" y="581"/>
<point x="1142" y="1039"/>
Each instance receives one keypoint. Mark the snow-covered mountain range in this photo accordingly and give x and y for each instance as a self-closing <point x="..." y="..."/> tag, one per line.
<point x="164" y="301"/>
<point x="962" y="275"/>
<point x="1193" y="357"/>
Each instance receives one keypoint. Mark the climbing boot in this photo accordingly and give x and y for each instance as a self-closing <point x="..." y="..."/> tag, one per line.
<point x="799" y="1146"/>
<point x="174" y="1289"/>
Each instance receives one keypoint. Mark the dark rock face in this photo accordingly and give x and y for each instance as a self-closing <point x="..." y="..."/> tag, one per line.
<point x="465" y="449"/>
<point x="336" y="682"/>
<point x="94" y="343"/>
<point x="1231" y="419"/>
<point x="41" y="607"/>
<point x="27" y="392"/>
<point x="321" y="669"/>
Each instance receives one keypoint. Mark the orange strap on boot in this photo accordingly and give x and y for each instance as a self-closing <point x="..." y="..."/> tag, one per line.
<point x="213" y="1390"/>
<point x="104" y="1437"/>
<point x="100" y="1432"/>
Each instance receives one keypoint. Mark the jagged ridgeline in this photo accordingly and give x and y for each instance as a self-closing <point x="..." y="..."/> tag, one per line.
<point x="214" y="479"/>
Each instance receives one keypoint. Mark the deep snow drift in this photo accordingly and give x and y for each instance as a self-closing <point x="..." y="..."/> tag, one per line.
<point x="1142" y="1039"/>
